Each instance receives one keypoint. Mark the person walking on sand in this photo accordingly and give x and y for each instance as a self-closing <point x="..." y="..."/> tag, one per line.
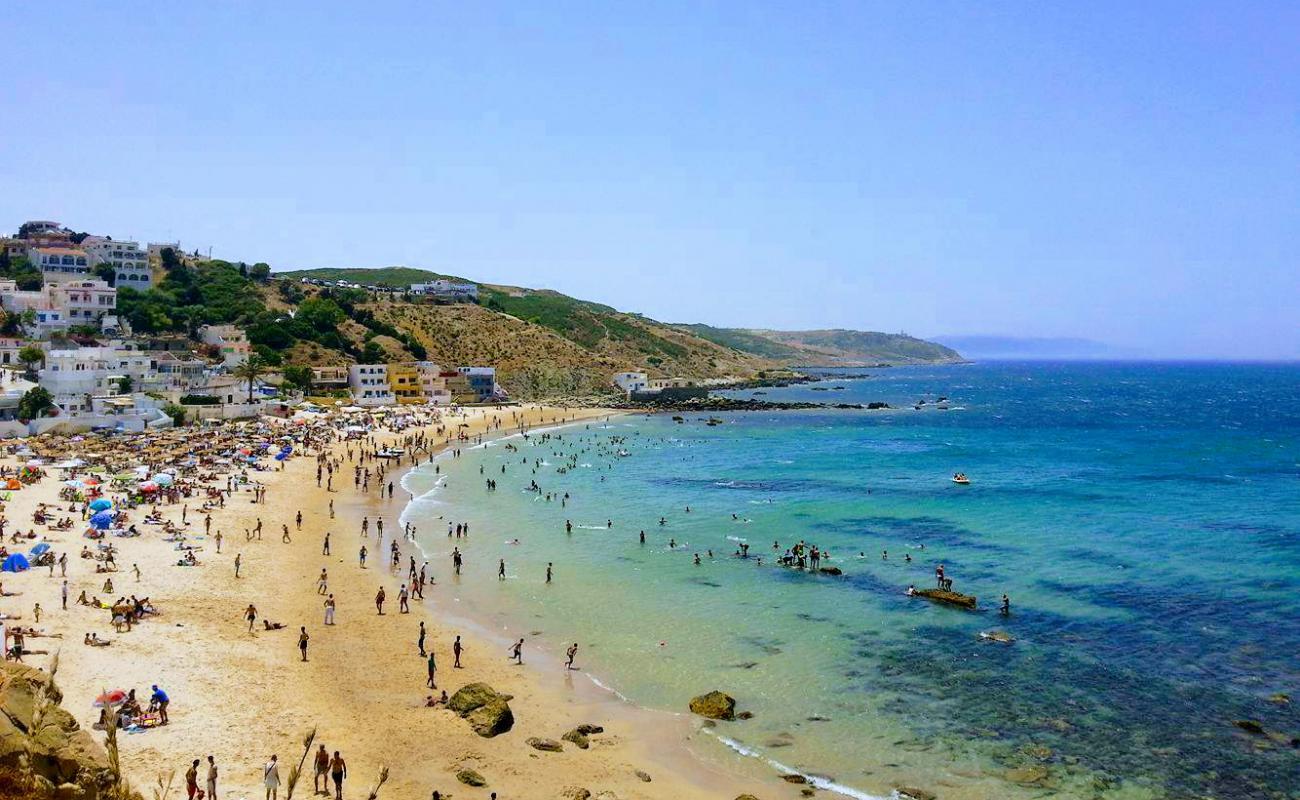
<point x="403" y="598"/>
<point x="338" y="771"/>
<point x="362" y="556"/>
<point x="250" y="614"/>
<point x="571" y="654"/>
<point x="218" y="539"/>
<point x="379" y="601"/>
<point x="322" y="583"/>
<point x="320" y="782"/>
<point x="64" y="591"/>
<point x="303" y="638"/>
<point x="192" y="780"/>
<point x="238" y="560"/>
<point x="325" y="547"/>
<point x="212" y="779"/>
<point x="456" y="649"/>
<point x="517" y="652"/>
<point x="271" y="778"/>
<point x="329" y="610"/>
<point x="433" y="671"/>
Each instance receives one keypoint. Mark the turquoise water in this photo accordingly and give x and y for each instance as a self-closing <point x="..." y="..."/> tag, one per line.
<point x="1144" y="519"/>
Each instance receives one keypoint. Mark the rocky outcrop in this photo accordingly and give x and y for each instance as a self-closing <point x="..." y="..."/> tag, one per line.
<point x="575" y="793"/>
<point x="65" y="761"/>
<point x="578" y="738"/>
<point x="545" y="745"/>
<point x="486" y="710"/>
<point x="714" y="705"/>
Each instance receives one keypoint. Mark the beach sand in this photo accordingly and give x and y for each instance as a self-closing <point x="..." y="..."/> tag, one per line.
<point x="243" y="696"/>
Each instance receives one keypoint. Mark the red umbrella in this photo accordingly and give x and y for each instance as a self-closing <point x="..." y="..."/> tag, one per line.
<point x="110" y="698"/>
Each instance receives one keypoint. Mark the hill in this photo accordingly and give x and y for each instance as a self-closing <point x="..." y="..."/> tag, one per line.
<point x="834" y="347"/>
<point x="393" y="277"/>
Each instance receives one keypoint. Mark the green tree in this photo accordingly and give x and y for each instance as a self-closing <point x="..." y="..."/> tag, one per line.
<point x="299" y="376"/>
<point x="106" y="272"/>
<point x="31" y="355"/>
<point x="373" y="354"/>
<point x="250" y="370"/>
<point x="35" y="403"/>
<point x="4" y="259"/>
<point x="260" y="272"/>
<point x="177" y="413"/>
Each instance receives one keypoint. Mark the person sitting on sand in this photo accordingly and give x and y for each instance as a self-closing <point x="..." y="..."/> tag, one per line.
<point x="272" y="626"/>
<point x="93" y="640"/>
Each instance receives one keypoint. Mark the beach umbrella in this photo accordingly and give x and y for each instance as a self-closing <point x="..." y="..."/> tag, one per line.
<point x="162" y="479"/>
<point x="102" y="519"/>
<point x="40" y="548"/>
<point x="102" y="504"/>
<point x="110" y="698"/>
<point x="148" y="486"/>
<point x="75" y="484"/>
<point x="15" y="563"/>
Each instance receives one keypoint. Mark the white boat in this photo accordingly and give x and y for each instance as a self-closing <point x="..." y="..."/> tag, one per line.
<point x="961" y="479"/>
<point x="392" y="452"/>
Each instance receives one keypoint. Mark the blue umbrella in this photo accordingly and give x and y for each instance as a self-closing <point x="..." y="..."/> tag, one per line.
<point x="281" y="456"/>
<point x="15" y="563"/>
<point x="102" y="504"/>
<point x="102" y="519"/>
<point x="40" y="548"/>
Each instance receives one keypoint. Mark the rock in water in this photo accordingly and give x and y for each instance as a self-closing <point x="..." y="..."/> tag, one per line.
<point x="1250" y="726"/>
<point x="714" y="705"/>
<point x="471" y="778"/>
<point x="547" y="745"/>
<point x="1028" y="776"/>
<point x="486" y="710"/>
<point x="913" y="793"/>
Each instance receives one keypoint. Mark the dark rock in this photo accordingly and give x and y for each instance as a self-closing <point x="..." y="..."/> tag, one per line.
<point x="587" y="729"/>
<point x="575" y="793"/>
<point x="745" y="715"/>
<point x="471" y="778"/>
<point x="714" y="705"/>
<point x="578" y="738"/>
<point x="913" y="793"/>
<point x="1250" y="726"/>
<point x="644" y="776"/>
<point x="1280" y="699"/>
<point x="486" y="710"/>
<point x="547" y="745"/>
<point x="795" y="778"/>
<point x="831" y="571"/>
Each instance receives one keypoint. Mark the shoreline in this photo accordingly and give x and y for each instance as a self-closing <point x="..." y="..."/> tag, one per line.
<point x="243" y="696"/>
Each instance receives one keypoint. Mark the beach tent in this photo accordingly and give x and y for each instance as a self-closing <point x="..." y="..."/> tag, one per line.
<point x="110" y="698"/>
<point x="40" y="548"/>
<point x="15" y="563"/>
<point x="102" y="519"/>
<point x="102" y="504"/>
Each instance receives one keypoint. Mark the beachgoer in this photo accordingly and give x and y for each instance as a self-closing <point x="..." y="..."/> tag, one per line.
<point x="338" y="771"/>
<point x="571" y="654"/>
<point x="320" y="771"/>
<point x="212" y="779"/>
<point x="271" y="778"/>
<point x="303" y="638"/>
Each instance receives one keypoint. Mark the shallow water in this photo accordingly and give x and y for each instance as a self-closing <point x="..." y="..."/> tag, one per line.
<point x="1144" y="519"/>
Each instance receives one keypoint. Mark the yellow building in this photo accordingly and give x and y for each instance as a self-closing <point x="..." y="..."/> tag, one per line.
<point x="404" y="380"/>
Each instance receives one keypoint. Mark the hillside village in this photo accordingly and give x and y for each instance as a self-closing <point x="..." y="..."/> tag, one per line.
<point x="101" y="332"/>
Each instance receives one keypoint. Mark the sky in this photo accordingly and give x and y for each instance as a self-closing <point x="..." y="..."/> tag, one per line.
<point x="1122" y="172"/>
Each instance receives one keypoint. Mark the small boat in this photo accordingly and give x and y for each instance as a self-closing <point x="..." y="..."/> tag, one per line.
<point x="944" y="596"/>
<point x="961" y="479"/>
<point x="392" y="452"/>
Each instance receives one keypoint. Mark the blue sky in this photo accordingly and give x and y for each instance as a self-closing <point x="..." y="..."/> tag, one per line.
<point x="1128" y="172"/>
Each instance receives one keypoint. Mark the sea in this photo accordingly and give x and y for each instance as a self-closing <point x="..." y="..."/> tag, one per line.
<point x="1143" y="520"/>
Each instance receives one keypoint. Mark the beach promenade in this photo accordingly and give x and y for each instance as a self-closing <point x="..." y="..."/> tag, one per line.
<point x="242" y="696"/>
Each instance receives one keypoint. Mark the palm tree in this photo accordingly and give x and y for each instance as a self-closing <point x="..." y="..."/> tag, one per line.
<point x="250" y="370"/>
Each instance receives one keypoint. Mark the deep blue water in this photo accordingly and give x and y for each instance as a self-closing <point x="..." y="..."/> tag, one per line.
<point x="1143" y="518"/>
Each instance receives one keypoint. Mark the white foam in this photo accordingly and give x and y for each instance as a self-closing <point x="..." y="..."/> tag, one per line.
<point x="825" y="784"/>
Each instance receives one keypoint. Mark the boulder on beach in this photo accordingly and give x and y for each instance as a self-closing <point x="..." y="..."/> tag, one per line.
<point x="486" y="710"/>
<point x="913" y="793"/>
<point x="714" y="705"/>
<point x="578" y="738"/>
<point x="546" y="745"/>
<point x="587" y="729"/>
<point x="575" y="793"/>
<point x="471" y="778"/>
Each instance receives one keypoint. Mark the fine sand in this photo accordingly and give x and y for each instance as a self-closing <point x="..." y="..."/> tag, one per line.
<point x="242" y="697"/>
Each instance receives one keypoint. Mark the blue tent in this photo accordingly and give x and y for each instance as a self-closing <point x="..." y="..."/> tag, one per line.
<point x="15" y="563"/>
<point x="40" y="548"/>
<point x="102" y="504"/>
<point x="102" y="519"/>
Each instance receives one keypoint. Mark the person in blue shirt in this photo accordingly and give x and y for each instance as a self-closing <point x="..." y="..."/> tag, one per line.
<point x="161" y="699"/>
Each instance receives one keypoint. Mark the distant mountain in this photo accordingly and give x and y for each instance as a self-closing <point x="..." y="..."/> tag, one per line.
<point x="1030" y="348"/>
<point x="833" y="347"/>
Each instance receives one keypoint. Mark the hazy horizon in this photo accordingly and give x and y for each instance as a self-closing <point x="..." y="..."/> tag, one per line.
<point x="1118" y="173"/>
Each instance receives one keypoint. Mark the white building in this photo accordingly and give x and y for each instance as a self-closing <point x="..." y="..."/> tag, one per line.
<point x="369" y="385"/>
<point x="127" y="259"/>
<point x="59" y="263"/>
<point x="230" y="339"/>
<point x="74" y="377"/>
<point x="433" y="383"/>
<point x="444" y="289"/>
<point x="56" y="306"/>
<point x="631" y="381"/>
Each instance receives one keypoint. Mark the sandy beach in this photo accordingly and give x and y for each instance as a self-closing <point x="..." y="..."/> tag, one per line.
<point x="242" y="696"/>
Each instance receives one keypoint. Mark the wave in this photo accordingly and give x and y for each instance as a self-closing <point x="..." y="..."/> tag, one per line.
<point x="816" y="781"/>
